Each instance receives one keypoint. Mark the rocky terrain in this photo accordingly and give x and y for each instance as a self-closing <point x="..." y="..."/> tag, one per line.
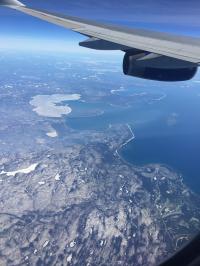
<point x="84" y="206"/>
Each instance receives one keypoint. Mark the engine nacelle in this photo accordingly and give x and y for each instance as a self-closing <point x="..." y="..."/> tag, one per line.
<point x="157" y="67"/>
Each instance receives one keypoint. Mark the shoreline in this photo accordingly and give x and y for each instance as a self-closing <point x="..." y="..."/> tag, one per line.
<point x="142" y="164"/>
<point x="178" y="172"/>
<point x="125" y="143"/>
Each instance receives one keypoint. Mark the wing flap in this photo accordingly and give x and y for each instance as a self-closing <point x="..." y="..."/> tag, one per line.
<point x="179" y="51"/>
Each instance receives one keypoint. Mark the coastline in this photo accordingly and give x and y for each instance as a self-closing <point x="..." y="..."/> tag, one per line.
<point x="117" y="153"/>
<point x="178" y="172"/>
<point x="126" y="142"/>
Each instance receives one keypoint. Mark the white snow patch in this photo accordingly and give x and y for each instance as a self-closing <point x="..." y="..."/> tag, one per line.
<point x="27" y="170"/>
<point x="69" y="258"/>
<point x="47" y="105"/>
<point x="52" y="134"/>
<point x="41" y="183"/>
<point x="35" y="251"/>
<point x="101" y="243"/>
<point x="45" y="243"/>
<point x="72" y="244"/>
<point x="57" y="177"/>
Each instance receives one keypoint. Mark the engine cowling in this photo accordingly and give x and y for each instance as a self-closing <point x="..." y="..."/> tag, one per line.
<point x="156" y="67"/>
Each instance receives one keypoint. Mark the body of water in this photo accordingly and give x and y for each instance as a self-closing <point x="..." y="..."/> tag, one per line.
<point x="166" y="131"/>
<point x="180" y="152"/>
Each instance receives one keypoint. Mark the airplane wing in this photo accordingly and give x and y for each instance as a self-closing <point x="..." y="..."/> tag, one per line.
<point x="184" y="48"/>
<point x="174" y="51"/>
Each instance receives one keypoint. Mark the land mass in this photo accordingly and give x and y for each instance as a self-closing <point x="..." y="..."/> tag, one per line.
<point x="83" y="205"/>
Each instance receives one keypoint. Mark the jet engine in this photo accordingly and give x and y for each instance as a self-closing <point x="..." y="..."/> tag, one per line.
<point x="157" y="67"/>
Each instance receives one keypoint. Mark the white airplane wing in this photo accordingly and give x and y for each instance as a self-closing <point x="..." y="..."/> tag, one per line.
<point x="111" y="37"/>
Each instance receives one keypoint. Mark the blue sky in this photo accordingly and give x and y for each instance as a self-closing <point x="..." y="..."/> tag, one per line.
<point x="176" y="16"/>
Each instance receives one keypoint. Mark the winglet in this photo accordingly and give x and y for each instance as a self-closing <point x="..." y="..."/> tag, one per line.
<point x="10" y="3"/>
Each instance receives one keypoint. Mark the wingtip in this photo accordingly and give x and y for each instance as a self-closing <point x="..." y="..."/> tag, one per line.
<point x="11" y="3"/>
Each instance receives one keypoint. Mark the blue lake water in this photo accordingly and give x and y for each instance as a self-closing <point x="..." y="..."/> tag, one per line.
<point x="166" y="131"/>
<point x="180" y="152"/>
